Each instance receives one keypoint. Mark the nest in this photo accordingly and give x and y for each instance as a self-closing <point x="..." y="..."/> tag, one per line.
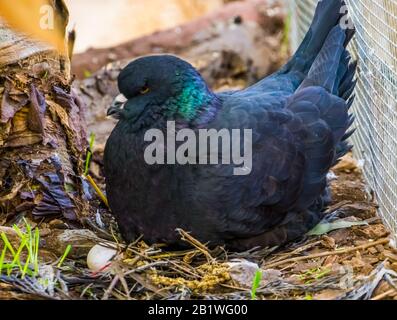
<point x="348" y="256"/>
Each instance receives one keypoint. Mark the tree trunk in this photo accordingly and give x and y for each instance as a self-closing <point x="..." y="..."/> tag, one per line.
<point x="42" y="136"/>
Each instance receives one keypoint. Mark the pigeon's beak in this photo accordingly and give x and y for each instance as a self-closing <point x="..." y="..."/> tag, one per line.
<point x="117" y="106"/>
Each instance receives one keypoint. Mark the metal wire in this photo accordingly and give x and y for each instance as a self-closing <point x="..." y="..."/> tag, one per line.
<point x="375" y="107"/>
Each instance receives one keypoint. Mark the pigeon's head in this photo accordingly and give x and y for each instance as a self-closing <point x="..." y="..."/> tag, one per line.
<point x="160" y="87"/>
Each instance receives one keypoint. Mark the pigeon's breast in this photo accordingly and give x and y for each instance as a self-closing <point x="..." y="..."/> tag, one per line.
<point x="143" y="197"/>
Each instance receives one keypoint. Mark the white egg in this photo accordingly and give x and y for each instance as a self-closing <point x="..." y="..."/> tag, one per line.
<point x="99" y="256"/>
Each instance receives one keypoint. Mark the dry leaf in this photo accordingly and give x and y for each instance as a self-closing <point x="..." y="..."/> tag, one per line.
<point x="329" y="294"/>
<point x="326" y="227"/>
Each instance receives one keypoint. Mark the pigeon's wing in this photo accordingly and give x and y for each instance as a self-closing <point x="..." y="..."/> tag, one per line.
<point x="293" y="149"/>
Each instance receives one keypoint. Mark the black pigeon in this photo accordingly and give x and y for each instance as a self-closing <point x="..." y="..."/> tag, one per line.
<point x="299" y="119"/>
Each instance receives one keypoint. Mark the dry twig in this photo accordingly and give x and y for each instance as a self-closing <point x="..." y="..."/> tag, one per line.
<point x="327" y="253"/>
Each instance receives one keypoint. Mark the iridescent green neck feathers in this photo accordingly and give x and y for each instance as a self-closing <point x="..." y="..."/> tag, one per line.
<point x="193" y="98"/>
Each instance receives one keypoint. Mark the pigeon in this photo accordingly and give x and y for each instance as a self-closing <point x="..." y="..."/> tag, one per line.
<point x="299" y="122"/>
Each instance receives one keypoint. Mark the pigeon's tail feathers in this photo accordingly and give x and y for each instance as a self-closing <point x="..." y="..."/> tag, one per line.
<point x="327" y="15"/>
<point x="328" y="65"/>
<point x="343" y="147"/>
<point x="333" y="69"/>
<point x="348" y="83"/>
<point x="325" y="121"/>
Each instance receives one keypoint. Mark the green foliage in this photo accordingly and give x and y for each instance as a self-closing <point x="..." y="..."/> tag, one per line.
<point x="25" y="258"/>
<point x="286" y="31"/>
<point x="89" y="154"/>
<point x="65" y="254"/>
<point x="87" y="73"/>
<point x="256" y="283"/>
<point x="314" y="274"/>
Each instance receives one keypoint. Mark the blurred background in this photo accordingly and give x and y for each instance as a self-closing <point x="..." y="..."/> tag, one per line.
<point x="231" y="43"/>
<point x="131" y="18"/>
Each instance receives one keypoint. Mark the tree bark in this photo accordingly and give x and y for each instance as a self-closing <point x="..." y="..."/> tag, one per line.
<point x="42" y="136"/>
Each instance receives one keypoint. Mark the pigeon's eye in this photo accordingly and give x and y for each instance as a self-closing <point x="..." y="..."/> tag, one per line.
<point x="144" y="90"/>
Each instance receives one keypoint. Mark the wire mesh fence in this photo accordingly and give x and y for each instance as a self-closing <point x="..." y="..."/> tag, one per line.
<point x="375" y="107"/>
